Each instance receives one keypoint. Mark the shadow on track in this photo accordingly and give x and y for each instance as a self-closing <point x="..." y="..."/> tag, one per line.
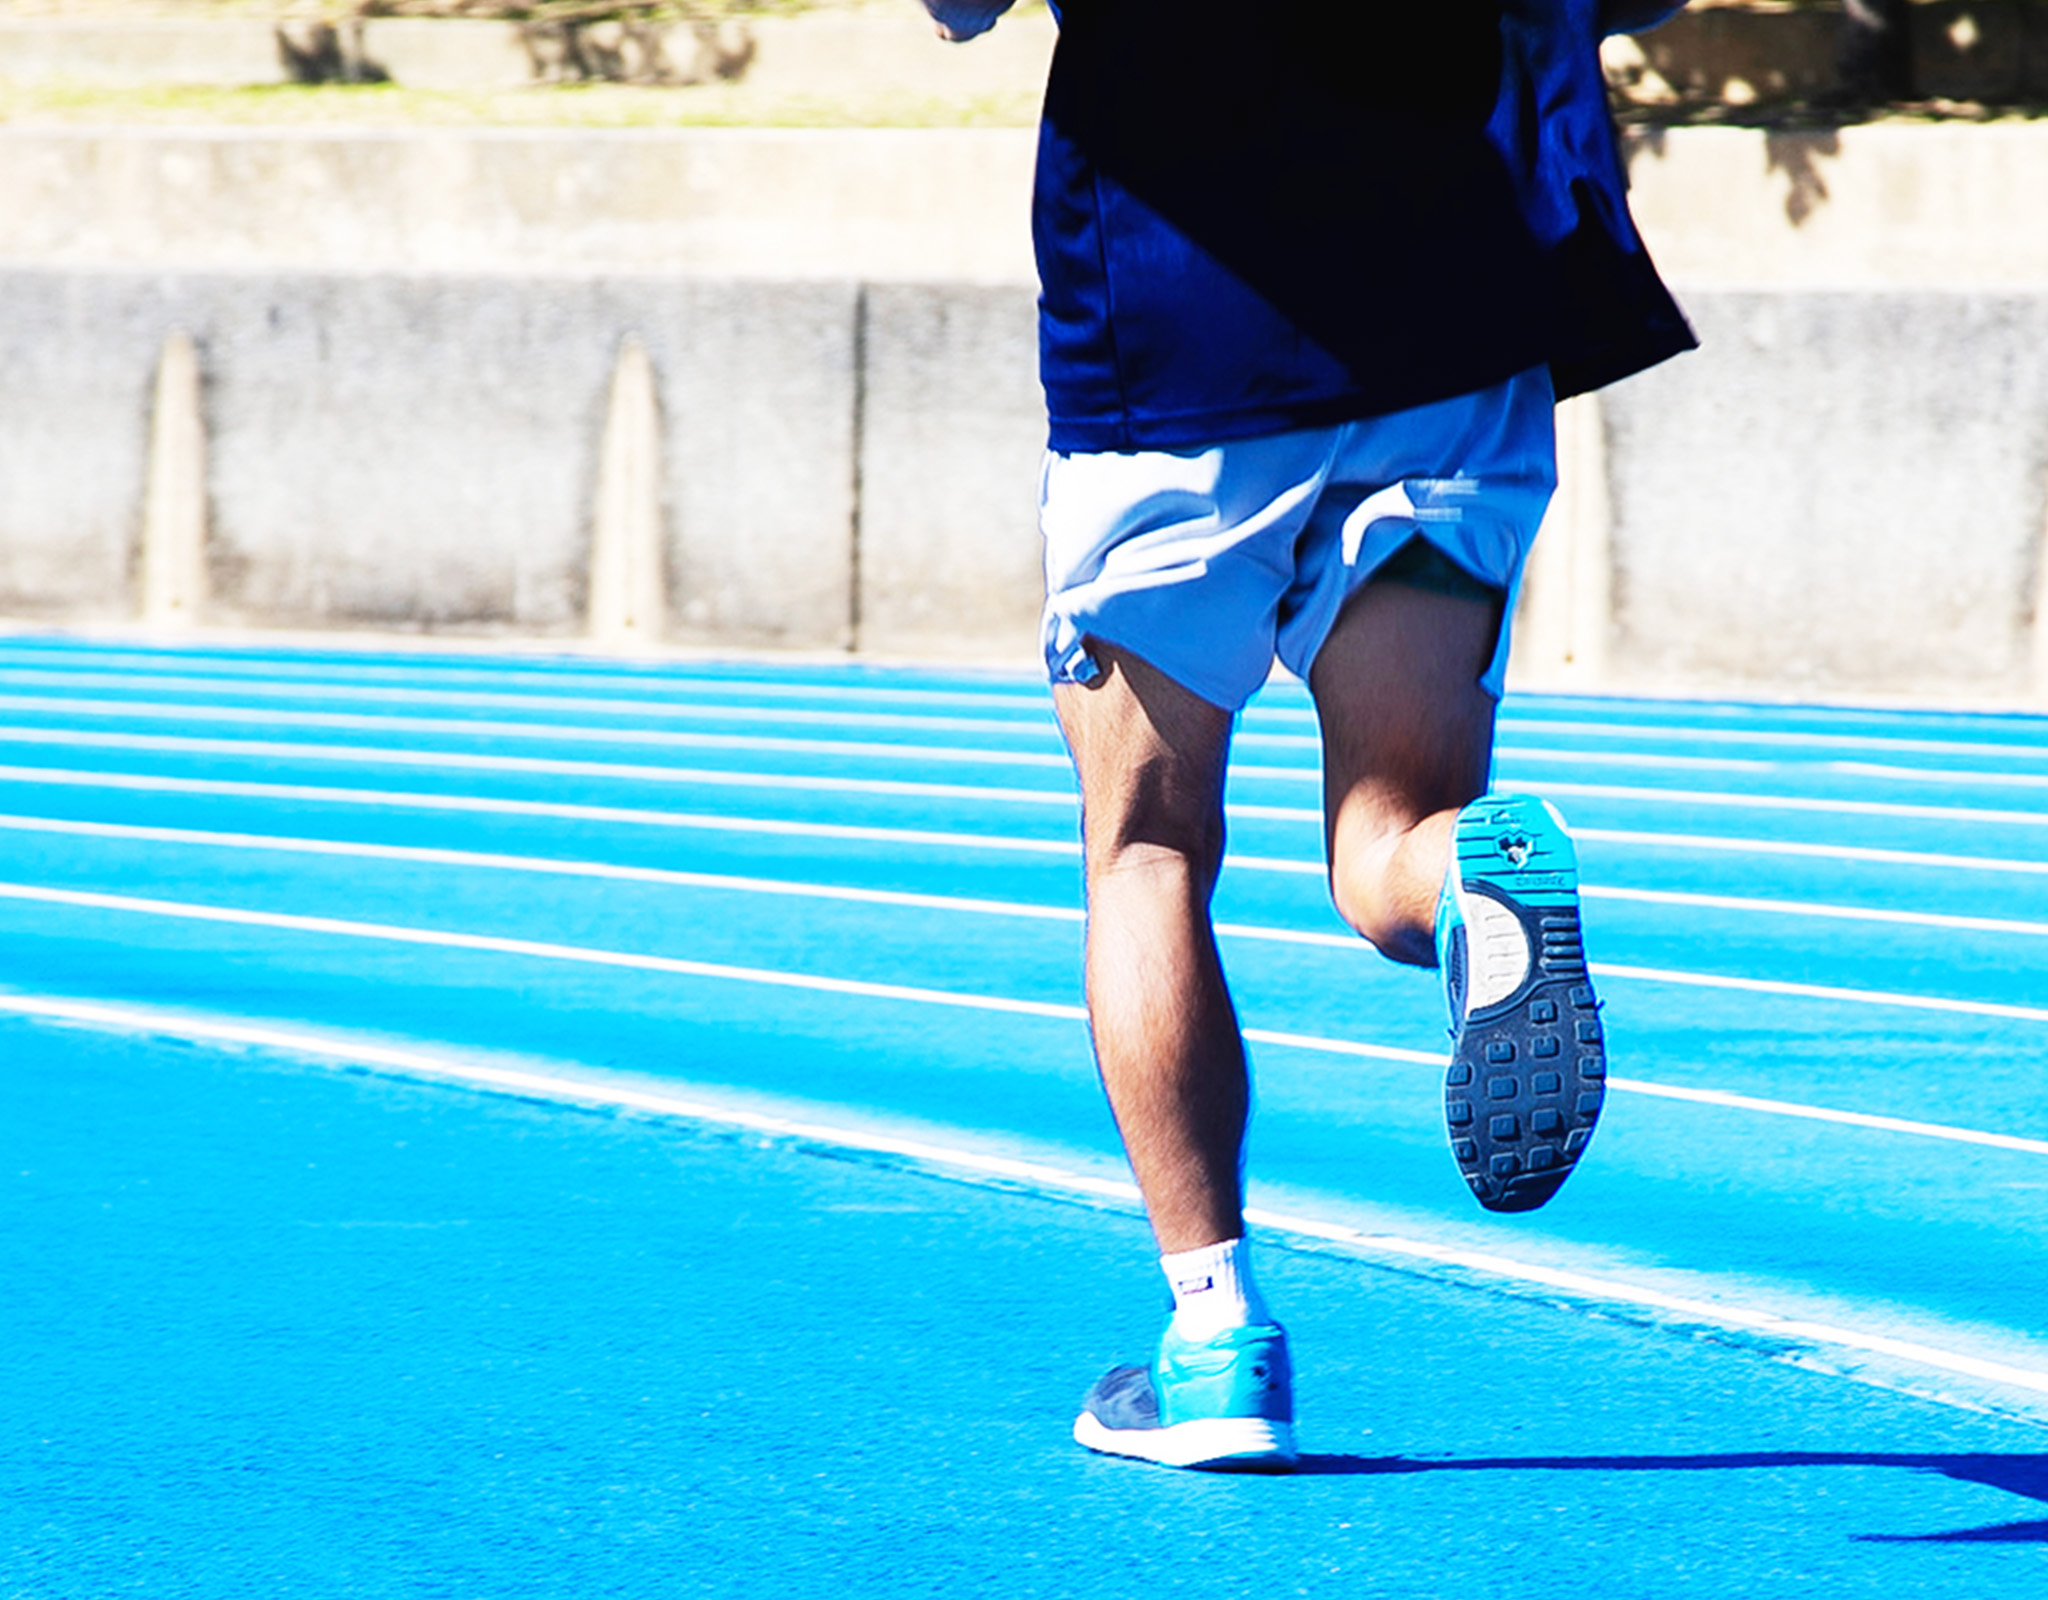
<point x="2024" y="1475"/>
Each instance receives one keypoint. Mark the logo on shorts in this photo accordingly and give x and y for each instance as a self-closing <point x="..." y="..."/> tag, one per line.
<point x="1430" y="495"/>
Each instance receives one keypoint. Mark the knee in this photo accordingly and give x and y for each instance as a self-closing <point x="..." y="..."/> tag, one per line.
<point x="1381" y="906"/>
<point x="1156" y="841"/>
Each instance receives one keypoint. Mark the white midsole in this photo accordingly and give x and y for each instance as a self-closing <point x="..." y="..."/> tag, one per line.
<point x="1192" y="1444"/>
<point x="1497" y="953"/>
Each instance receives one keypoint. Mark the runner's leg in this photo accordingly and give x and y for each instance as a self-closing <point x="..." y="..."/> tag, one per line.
<point x="1408" y="736"/>
<point x="1150" y="756"/>
<point x="1407" y="740"/>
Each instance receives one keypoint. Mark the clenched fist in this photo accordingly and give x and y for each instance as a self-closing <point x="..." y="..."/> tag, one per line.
<point x="960" y="20"/>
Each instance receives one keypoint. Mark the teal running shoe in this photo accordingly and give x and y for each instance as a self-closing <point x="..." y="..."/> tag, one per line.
<point x="1528" y="1060"/>
<point x="1225" y="1404"/>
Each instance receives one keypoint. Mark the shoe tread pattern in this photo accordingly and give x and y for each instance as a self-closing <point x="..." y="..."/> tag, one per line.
<point x="1528" y="1075"/>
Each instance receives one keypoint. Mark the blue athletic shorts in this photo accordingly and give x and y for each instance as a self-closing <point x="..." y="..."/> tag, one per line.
<point x="1207" y="563"/>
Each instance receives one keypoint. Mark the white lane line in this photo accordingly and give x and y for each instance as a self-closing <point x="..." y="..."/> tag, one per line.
<point x="1805" y="908"/>
<point x="1853" y="1119"/>
<point x="1318" y="1045"/>
<point x="1817" y="852"/>
<point x="368" y="754"/>
<point x="544" y="950"/>
<point x="559" y="867"/>
<point x="556" y="866"/>
<point x="1874" y="769"/>
<point x="638" y="816"/>
<point x="662" y="963"/>
<point x="1062" y="799"/>
<point x="1312" y="742"/>
<point x="617" y="771"/>
<point x="1041" y="722"/>
<point x="460" y="727"/>
<point x="1282" y="864"/>
<point x="548" y="951"/>
<point x="433" y="856"/>
<point x="148" y="668"/>
<point x="1820" y="991"/>
<point x="271" y="715"/>
<point x="1304" y="936"/>
<point x="353" y="1052"/>
<point x="1953" y="815"/>
<point x="1641" y="758"/>
<point x="714" y="822"/>
<point x="1705" y="1313"/>
<point x="451" y="1069"/>
<point x="235" y="675"/>
<point x="1661" y="760"/>
<point x="2033" y="748"/>
<point x="343" y="721"/>
<point x="498" y="730"/>
<point x="1673" y="897"/>
<point x="540" y="949"/>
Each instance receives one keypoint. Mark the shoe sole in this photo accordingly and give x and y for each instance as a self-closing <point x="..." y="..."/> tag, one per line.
<point x="1213" y="1444"/>
<point x="1528" y="1071"/>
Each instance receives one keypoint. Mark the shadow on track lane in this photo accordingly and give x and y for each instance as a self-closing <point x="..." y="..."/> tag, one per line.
<point x="2024" y="1475"/>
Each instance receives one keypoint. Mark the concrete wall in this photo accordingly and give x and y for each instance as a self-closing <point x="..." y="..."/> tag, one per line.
<point x="1846" y="491"/>
<point x="1843" y="492"/>
<point x="1888" y="205"/>
<point x="952" y="434"/>
<point x="889" y="203"/>
<point x="420" y="452"/>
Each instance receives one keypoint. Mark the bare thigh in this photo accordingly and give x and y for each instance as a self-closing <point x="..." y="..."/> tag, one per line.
<point x="1150" y="757"/>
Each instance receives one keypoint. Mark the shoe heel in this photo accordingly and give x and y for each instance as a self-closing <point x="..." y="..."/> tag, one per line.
<point x="1233" y="1443"/>
<point x="1517" y="845"/>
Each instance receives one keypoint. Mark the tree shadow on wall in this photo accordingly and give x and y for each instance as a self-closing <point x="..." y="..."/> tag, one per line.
<point x="322" y="53"/>
<point x="609" y="49"/>
<point x="630" y="50"/>
<point x="1798" y="153"/>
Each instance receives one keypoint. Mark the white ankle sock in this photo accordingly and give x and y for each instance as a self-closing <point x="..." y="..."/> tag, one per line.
<point x="1213" y="1289"/>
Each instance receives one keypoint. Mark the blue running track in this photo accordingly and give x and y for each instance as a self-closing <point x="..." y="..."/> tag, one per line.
<point x="484" y="1126"/>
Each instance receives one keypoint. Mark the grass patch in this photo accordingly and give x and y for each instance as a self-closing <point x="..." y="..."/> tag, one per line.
<point x="593" y="105"/>
<point x="341" y="10"/>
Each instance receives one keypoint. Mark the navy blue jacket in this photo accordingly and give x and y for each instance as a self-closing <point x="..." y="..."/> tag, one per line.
<point x="1256" y="215"/>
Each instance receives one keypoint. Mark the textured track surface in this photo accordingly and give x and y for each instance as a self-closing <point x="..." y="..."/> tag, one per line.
<point x="283" y="1332"/>
<point x="274" y="1328"/>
